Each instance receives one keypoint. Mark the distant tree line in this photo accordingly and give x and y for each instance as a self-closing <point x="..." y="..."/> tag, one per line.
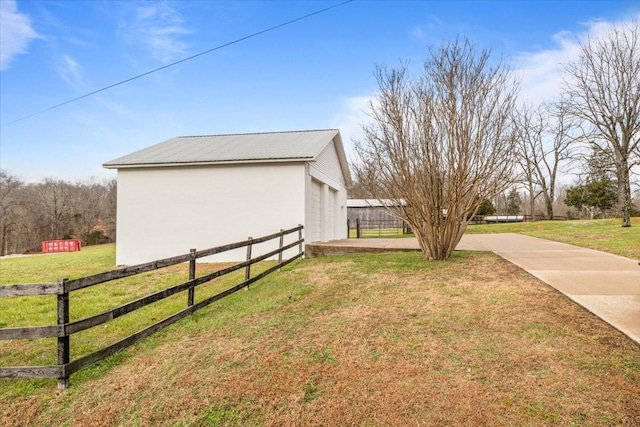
<point x="592" y="130"/>
<point x="54" y="209"/>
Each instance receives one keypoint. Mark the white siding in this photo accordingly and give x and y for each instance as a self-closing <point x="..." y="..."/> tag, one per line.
<point x="331" y="214"/>
<point x="312" y="227"/>
<point x="326" y="169"/>
<point x="328" y="163"/>
<point x="166" y="211"/>
<point x="341" y="215"/>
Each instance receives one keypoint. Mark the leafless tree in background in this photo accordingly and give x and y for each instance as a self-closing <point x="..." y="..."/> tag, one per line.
<point x="9" y="207"/>
<point x="357" y="191"/>
<point x="442" y="142"/>
<point x="603" y="90"/>
<point x="54" y="198"/>
<point x="54" y="209"/>
<point x="90" y="209"/>
<point x="110" y="208"/>
<point x="529" y="128"/>
<point x="545" y="142"/>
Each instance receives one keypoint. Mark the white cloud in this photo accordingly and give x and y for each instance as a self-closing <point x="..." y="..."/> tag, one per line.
<point x="159" y="27"/>
<point x="70" y="71"/>
<point x="541" y="72"/>
<point x="350" y="118"/>
<point x="15" y="33"/>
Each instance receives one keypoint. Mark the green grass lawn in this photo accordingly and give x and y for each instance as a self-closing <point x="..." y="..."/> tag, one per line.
<point x="41" y="310"/>
<point x="602" y="234"/>
<point x="48" y="267"/>
<point x="366" y="340"/>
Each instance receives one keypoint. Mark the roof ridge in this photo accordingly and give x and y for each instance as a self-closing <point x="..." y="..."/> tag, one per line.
<point x="255" y="133"/>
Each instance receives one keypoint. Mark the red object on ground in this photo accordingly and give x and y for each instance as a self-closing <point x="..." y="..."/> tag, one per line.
<point x="71" y="245"/>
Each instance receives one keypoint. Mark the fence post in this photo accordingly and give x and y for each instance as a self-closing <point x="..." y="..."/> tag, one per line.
<point x="300" y="239"/>
<point x="192" y="275"/>
<point x="247" y="271"/>
<point x="63" y="341"/>
<point x="281" y="245"/>
<point x="348" y="228"/>
<point x="357" y="228"/>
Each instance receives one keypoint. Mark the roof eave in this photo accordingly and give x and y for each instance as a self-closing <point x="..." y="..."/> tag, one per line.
<point x="344" y="164"/>
<point x="210" y="163"/>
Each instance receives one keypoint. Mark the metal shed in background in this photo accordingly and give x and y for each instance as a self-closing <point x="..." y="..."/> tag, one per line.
<point x="370" y="209"/>
<point x="372" y="214"/>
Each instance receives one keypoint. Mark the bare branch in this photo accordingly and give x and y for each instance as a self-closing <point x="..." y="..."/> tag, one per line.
<point x="442" y="142"/>
<point x="603" y="91"/>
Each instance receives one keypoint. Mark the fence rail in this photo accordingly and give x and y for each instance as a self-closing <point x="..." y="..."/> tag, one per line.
<point x="64" y="287"/>
<point x="360" y="228"/>
<point x="377" y="228"/>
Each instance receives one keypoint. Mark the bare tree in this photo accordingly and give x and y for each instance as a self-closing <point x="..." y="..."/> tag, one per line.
<point x="54" y="209"/>
<point x="530" y="125"/>
<point x="603" y="88"/>
<point x="10" y="187"/>
<point x="90" y="209"/>
<point x="357" y="191"/>
<point x="53" y="199"/>
<point x="110" y="211"/>
<point x="442" y="142"/>
<point x="544" y="144"/>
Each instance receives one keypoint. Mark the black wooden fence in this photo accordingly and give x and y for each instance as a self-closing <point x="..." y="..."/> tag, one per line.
<point x="377" y="228"/>
<point x="64" y="287"/>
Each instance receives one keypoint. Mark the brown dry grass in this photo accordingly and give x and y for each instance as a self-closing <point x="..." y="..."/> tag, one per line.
<point x="375" y="340"/>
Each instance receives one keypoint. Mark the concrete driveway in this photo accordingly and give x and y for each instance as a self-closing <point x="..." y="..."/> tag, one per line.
<point x="607" y="285"/>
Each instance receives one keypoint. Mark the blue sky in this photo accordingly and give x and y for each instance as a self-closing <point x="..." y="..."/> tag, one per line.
<point x="313" y="74"/>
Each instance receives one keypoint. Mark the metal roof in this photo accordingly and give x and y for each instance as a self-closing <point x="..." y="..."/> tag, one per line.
<point x="237" y="148"/>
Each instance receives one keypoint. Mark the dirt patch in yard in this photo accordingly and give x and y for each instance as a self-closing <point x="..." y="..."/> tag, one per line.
<point x="372" y="340"/>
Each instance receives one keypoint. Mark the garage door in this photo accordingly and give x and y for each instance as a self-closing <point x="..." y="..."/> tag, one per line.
<point x="312" y="231"/>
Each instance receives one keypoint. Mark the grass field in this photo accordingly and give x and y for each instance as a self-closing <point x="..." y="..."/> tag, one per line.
<point x="41" y="310"/>
<point x="602" y="234"/>
<point x="365" y="340"/>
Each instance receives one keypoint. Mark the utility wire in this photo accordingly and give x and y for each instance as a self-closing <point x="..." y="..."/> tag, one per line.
<point x="182" y="60"/>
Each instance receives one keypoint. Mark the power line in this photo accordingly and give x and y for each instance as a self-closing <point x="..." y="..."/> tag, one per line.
<point x="181" y="61"/>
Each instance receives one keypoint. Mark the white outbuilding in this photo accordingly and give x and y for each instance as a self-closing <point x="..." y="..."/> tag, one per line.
<point x="211" y="190"/>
